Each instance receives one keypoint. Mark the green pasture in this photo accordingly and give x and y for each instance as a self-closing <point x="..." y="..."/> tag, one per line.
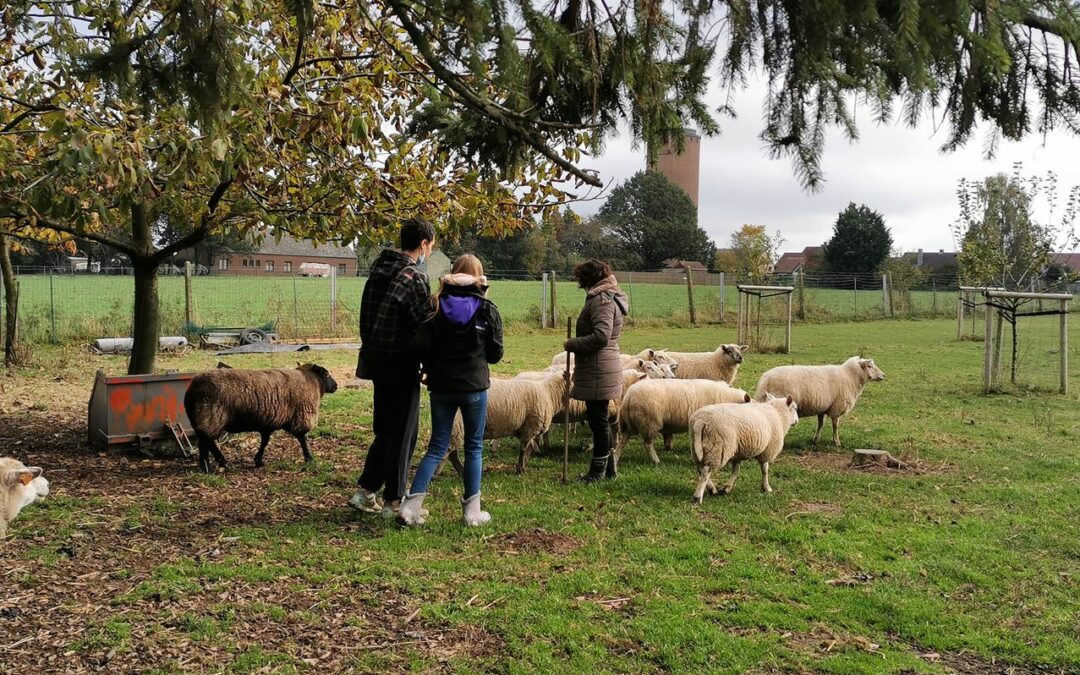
<point x="83" y="307"/>
<point x="970" y="563"/>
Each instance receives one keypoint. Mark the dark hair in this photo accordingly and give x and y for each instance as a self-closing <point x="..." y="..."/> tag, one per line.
<point x="591" y="272"/>
<point x="414" y="231"/>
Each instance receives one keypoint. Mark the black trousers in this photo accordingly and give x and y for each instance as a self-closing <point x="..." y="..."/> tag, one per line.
<point x="597" y="414"/>
<point x="396" y="424"/>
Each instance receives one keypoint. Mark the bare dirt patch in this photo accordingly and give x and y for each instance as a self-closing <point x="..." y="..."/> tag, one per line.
<point x="840" y="462"/>
<point x="534" y="540"/>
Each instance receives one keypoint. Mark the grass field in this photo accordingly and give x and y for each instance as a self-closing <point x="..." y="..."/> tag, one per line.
<point x="971" y="563"/>
<point x="88" y="306"/>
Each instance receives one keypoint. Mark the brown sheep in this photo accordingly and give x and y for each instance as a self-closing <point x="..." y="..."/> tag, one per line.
<point x="232" y="400"/>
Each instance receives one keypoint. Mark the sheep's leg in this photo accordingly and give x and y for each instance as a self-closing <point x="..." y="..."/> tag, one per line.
<point x="547" y="442"/>
<point x="836" y="431"/>
<point x="302" y="438"/>
<point x="265" y="439"/>
<point x="820" y="422"/>
<point x="669" y="443"/>
<point x="727" y="487"/>
<point x="712" y="487"/>
<point x="456" y="462"/>
<point x="205" y="443"/>
<point x="765" y="477"/>
<point x="649" y="448"/>
<point x="703" y="482"/>
<point x="526" y="449"/>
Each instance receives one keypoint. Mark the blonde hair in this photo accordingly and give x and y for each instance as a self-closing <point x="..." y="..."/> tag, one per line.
<point x="466" y="263"/>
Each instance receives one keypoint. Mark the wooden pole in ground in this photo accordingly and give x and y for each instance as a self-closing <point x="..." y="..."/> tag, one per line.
<point x="998" y="328"/>
<point x="690" y="295"/>
<point x="988" y="372"/>
<point x="723" y="292"/>
<point x="551" y="297"/>
<point x="960" y="316"/>
<point x="802" y="296"/>
<point x="189" y="311"/>
<point x="787" y="335"/>
<point x="738" y="316"/>
<point x="566" y="412"/>
<point x="1064" y="346"/>
<point x="544" y="301"/>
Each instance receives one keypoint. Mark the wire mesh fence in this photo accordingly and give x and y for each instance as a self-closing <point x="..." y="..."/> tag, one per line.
<point x="79" y="306"/>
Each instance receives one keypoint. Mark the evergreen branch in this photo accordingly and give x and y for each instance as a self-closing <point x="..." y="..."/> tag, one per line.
<point x="479" y="103"/>
<point x="1054" y="27"/>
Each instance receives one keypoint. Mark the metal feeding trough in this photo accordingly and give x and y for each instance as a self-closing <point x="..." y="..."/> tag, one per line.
<point x="139" y="410"/>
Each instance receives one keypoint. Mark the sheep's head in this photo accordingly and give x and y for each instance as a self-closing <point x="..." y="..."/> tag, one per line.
<point x="661" y="356"/>
<point x="24" y="484"/>
<point x="326" y="381"/>
<point x="786" y="406"/>
<point x="873" y="373"/>
<point x="734" y="352"/>
<point x="654" y="370"/>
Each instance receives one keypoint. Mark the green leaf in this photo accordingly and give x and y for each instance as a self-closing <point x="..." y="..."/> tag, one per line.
<point x="218" y="148"/>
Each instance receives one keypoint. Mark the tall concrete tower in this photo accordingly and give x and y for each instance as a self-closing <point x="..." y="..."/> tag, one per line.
<point x="682" y="168"/>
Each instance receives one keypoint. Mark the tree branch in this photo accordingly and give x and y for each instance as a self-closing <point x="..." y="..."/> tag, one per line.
<point x="1054" y="27"/>
<point x="200" y="232"/>
<point x="66" y="229"/>
<point x="476" y="102"/>
<point x="295" y="67"/>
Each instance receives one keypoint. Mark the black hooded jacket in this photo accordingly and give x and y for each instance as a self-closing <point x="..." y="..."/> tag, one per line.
<point x="396" y="301"/>
<point x="464" y="337"/>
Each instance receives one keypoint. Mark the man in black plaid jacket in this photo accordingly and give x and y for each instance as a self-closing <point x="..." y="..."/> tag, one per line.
<point x="396" y="300"/>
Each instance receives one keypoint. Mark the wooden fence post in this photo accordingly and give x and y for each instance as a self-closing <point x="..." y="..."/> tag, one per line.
<point x="551" y="297"/>
<point x="723" y="292"/>
<point x="189" y="310"/>
<point x="988" y="349"/>
<point x="1064" y="346"/>
<point x="544" y="301"/>
<point x="690" y="295"/>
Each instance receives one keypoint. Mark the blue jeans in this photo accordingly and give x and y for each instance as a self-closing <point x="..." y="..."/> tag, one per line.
<point x="444" y="406"/>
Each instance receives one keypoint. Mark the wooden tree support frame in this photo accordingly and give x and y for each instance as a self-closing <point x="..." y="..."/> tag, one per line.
<point x="967" y="304"/>
<point x="1006" y="306"/>
<point x="744" y="314"/>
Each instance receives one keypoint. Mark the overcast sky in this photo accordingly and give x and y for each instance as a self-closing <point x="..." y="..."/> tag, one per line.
<point x="894" y="169"/>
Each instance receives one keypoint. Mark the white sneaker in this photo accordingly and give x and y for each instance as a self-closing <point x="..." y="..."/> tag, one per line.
<point x="365" y="501"/>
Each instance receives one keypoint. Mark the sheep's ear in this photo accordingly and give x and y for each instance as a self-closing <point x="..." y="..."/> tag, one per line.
<point x="673" y="366"/>
<point x="652" y="353"/>
<point x="746" y="397"/>
<point x="790" y="400"/>
<point x="743" y="348"/>
<point x="23" y="476"/>
<point x="769" y="397"/>
<point x="640" y="376"/>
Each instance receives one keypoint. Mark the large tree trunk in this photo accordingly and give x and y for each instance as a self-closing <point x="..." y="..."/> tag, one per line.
<point x="11" y="303"/>
<point x="146" y="319"/>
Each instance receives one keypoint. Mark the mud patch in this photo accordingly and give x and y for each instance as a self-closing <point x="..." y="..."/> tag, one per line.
<point x="534" y="540"/>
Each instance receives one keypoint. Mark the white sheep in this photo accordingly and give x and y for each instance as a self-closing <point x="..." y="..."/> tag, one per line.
<point x="521" y="408"/>
<point x="721" y="364"/>
<point x="821" y="390"/>
<point x="732" y="433"/>
<point x="20" y="486"/>
<point x="664" y="407"/>
<point x="628" y="360"/>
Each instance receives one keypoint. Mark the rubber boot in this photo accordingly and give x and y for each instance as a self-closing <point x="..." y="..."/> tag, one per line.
<point x="411" y="511"/>
<point x="596" y="469"/>
<point x="471" y="514"/>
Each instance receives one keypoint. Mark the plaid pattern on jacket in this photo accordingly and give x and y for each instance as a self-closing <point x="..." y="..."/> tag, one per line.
<point x="396" y="300"/>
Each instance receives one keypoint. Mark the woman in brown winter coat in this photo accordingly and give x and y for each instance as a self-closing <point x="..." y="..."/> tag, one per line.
<point x="597" y="369"/>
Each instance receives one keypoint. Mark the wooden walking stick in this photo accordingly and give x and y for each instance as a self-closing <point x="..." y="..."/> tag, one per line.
<point x="566" y="411"/>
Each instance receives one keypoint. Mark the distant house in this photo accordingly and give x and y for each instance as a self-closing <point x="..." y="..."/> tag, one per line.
<point x="933" y="262"/>
<point x="1070" y="260"/>
<point x="676" y="264"/>
<point x="287" y="257"/>
<point x="806" y="260"/>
